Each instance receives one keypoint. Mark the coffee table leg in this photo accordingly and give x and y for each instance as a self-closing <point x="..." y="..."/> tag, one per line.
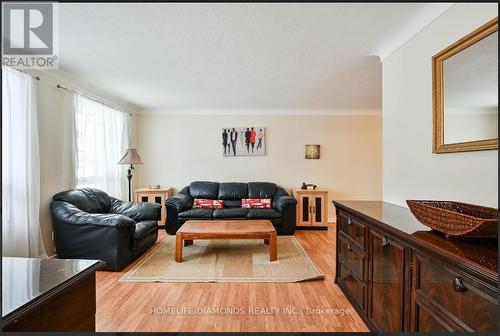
<point x="273" y="247"/>
<point x="178" y="248"/>
<point x="266" y="241"/>
<point x="188" y="242"/>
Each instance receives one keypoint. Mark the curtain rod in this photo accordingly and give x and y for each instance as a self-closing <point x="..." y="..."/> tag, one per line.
<point x="34" y="77"/>
<point x="27" y="73"/>
<point x="100" y="100"/>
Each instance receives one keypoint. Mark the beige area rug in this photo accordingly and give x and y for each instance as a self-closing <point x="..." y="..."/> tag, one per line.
<point x="225" y="261"/>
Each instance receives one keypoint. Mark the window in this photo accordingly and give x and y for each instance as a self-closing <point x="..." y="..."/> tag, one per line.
<point x="102" y="135"/>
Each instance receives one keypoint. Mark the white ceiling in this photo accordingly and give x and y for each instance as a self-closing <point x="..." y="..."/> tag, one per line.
<point x="171" y="58"/>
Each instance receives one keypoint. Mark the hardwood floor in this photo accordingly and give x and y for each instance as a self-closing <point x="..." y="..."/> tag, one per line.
<point x="317" y="305"/>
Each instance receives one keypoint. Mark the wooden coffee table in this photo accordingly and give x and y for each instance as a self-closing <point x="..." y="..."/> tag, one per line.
<point x="226" y="229"/>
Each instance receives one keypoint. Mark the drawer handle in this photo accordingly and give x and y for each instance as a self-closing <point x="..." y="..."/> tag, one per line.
<point x="385" y="241"/>
<point x="458" y="286"/>
<point x="349" y="248"/>
<point x="349" y="273"/>
<point x="349" y="221"/>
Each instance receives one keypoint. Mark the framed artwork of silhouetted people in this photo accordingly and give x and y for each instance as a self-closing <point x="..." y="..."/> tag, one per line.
<point x="243" y="141"/>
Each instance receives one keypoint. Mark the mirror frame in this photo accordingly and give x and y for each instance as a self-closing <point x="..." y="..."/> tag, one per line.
<point x="437" y="93"/>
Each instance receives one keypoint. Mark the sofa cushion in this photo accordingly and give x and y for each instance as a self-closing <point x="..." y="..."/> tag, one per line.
<point x="263" y="213"/>
<point x="196" y="213"/>
<point x="230" y="213"/>
<point x="143" y="228"/>
<point x="256" y="203"/>
<point x="204" y="189"/>
<point x="233" y="190"/>
<point x="232" y="204"/>
<point x="208" y="203"/>
<point x="261" y="189"/>
<point x="86" y="199"/>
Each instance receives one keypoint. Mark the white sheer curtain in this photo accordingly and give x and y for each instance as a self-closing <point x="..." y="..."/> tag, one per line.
<point x="21" y="234"/>
<point x="102" y="136"/>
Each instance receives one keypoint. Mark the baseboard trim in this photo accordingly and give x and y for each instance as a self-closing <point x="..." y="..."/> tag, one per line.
<point x="303" y="227"/>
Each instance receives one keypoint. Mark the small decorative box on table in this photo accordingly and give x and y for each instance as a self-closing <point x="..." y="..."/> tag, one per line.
<point x="158" y="196"/>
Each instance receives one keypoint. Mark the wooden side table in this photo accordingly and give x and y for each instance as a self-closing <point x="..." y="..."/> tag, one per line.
<point x="158" y="196"/>
<point x="312" y="208"/>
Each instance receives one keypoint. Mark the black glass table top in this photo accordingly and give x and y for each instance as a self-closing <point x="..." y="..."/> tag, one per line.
<point x="25" y="280"/>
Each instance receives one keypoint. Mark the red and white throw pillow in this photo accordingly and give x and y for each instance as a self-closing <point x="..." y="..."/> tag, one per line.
<point x="208" y="203"/>
<point x="256" y="203"/>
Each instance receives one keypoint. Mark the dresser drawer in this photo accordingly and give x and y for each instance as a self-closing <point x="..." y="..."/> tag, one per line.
<point x="353" y="228"/>
<point x="459" y="296"/>
<point x="355" y="287"/>
<point x="351" y="258"/>
<point x="427" y="321"/>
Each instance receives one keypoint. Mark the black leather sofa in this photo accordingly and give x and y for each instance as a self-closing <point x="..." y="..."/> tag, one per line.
<point x="89" y="224"/>
<point x="282" y="214"/>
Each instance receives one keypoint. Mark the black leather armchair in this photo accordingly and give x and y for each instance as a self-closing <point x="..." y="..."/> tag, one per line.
<point x="282" y="215"/>
<point x="89" y="224"/>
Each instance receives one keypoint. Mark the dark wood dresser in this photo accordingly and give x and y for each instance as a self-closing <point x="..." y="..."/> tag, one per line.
<point x="48" y="294"/>
<point x="401" y="276"/>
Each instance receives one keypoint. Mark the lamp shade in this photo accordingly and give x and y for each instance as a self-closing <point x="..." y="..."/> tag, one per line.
<point x="130" y="157"/>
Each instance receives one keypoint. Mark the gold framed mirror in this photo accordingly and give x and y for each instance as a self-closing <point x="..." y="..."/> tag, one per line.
<point x="465" y="93"/>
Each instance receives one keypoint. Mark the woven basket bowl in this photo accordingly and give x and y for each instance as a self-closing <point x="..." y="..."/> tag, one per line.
<point x="456" y="219"/>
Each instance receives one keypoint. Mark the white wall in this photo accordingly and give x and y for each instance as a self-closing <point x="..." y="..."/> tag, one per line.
<point x="411" y="170"/>
<point x="52" y="107"/>
<point x="178" y="149"/>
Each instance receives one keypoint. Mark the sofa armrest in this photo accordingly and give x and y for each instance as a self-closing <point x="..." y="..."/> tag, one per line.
<point x="137" y="211"/>
<point x="286" y="205"/>
<point x="175" y="205"/>
<point x="282" y="202"/>
<point x="70" y="214"/>
<point x="179" y="202"/>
